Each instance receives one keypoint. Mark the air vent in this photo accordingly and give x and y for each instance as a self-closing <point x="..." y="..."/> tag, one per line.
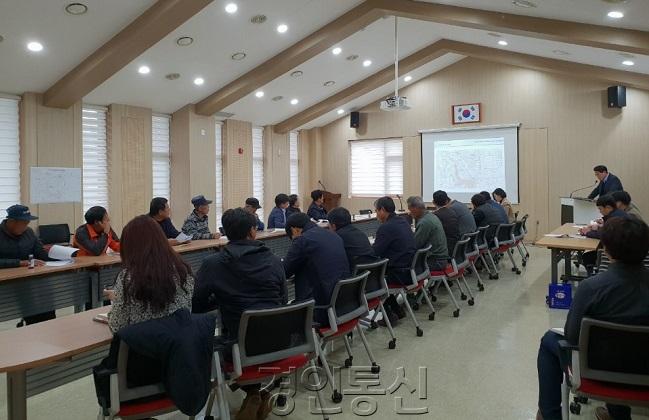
<point x="352" y="57"/>
<point x="524" y="3"/>
<point x="225" y="115"/>
<point x="172" y="76"/>
<point x="258" y="19"/>
<point x="277" y="98"/>
<point x="329" y="83"/>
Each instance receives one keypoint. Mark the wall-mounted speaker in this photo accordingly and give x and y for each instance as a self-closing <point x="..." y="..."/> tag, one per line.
<point x="354" y="119"/>
<point x="617" y="96"/>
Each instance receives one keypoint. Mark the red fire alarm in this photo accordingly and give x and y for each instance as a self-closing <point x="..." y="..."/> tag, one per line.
<point x="240" y="150"/>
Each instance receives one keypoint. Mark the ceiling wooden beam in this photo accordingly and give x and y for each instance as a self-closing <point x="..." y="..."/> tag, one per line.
<point x="610" y="38"/>
<point x="319" y="41"/>
<point x="376" y="80"/>
<point x="141" y="34"/>
<point x="442" y="47"/>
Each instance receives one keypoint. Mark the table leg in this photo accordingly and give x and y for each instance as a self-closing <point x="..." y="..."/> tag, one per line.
<point x="17" y="395"/>
<point x="94" y="289"/>
<point x="567" y="265"/>
<point x="555" y="255"/>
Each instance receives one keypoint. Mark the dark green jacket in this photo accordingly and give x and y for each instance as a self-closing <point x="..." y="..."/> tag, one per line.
<point x="13" y="249"/>
<point x="429" y="231"/>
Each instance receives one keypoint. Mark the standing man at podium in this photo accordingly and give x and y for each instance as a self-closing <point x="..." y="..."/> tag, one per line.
<point x="607" y="182"/>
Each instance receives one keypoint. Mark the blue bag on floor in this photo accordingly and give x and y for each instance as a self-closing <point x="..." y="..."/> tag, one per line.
<point x="560" y="295"/>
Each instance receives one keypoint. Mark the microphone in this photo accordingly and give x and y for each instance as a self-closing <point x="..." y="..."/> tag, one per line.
<point x="400" y="202"/>
<point x="322" y="185"/>
<point x="581" y="189"/>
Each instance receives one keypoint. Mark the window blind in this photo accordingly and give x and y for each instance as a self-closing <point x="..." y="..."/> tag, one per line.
<point x="294" y="174"/>
<point x="258" y="168"/>
<point x="218" y="197"/>
<point x="160" y="156"/>
<point x="9" y="154"/>
<point x="95" y="161"/>
<point x="376" y="167"/>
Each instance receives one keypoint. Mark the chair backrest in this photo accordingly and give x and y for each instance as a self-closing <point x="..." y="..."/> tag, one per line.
<point x="524" y="220"/>
<point x="54" y="234"/>
<point x="482" y="237"/>
<point x="348" y="300"/>
<point x="459" y="253"/>
<point x="613" y="352"/>
<point x="127" y="393"/>
<point x="518" y="230"/>
<point x="419" y="267"/>
<point x="472" y="246"/>
<point x="267" y="335"/>
<point x="504" y="234"/>
<point x="375" y="286"/>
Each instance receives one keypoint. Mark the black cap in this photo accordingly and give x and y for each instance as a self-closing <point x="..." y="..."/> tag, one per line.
<point x="19" y="212"/>
<point x="200" y="200"/>
<point x="253" y="202"/>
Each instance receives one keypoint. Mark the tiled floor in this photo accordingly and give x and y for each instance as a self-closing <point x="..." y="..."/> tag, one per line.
<point x="479" y="366"/>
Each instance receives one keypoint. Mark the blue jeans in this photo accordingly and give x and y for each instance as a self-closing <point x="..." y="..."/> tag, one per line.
<point x="549" y="365"/>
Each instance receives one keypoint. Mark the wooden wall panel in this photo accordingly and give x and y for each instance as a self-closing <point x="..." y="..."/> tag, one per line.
<point x="237" y="167"/>
<point x="534" y="187"/>
<point x="276" y="167"/>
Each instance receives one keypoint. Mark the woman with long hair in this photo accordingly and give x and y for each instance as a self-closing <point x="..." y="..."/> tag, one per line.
<point x="154" y="281"/>
<point x="500" y="196"/>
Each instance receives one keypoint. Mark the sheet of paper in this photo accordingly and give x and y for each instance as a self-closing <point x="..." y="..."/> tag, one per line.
<point x="577" y="237"/>
<point x="111" y="252"/>
<point x="557" y="330"/>
<point x="64" y="253"/>
<point x="58" y="263"/>
<point x="554" y="235"/>
<point x="182" y="238"/>
<point x="103" y="318"/>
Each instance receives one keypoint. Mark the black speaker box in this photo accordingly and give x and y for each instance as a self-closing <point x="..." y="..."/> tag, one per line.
<point x="354" y="119"/>
<point x="617" y="96"/>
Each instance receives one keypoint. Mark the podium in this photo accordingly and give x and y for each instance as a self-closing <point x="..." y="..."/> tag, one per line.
<point x="578" y="210"/>
<point x="331" y="200"/>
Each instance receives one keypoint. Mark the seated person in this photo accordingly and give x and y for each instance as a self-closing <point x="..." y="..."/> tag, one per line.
<point x="624" y="203"/>
<point x="244" y="275"/>
<point x="429" y="231"/>
<point x="357" y="244"/>
<point x="499" y="209"/>
<point x="318" y="260"/>
<point x="278" y="215"/>
<point x="293" y="205"/>
<point x="18" y="243"/>
<point x="96" y="236"/>
<point x="395" y="241"/>
<point x="466" y="222"/>
<point x="316" y="211"/>
<point x="196" y="224"/>
<point x="500" y="196"/>
<point x="160" y="211"/>
<point x="448" y="217"/>
<point x="619" y="294"/>
<point x="252" y="205"/>
<point x="143" y="290"/>
<point x="608" y="209"/>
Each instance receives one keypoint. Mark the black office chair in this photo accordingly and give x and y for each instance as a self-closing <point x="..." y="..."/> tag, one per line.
<point x="376" y="292"/>
<point x="54" y="234"/>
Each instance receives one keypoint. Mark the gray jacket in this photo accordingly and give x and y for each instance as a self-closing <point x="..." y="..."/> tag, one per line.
<point x="466" y="222"/>
<point x="13" y="249"/>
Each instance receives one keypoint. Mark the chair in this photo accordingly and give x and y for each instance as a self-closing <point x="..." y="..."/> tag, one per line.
<point x="609" y="364"/>
<point x="482" y="242"/>
<point x="345" y="310"/>
<point x="54" y="234"/>
<point x="472" y="253"/>
<point x="376" y="291"/>
<point x="519" y="235"/>
<point x="419" y="273"/>
<point x="455" y="270"/>
<point x="504" y="241"/>
<point x="272" y="344"/>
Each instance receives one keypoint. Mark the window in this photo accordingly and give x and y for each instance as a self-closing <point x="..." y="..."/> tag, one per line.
<point x="218" y="198"/>
<point x="95" y="162"/>
<point x="258" y="168"/>
<point x="376" y="167"/>
<point x="9" y="154"/>
<point x="294" y="173"/>
<point x="160" y="155"/>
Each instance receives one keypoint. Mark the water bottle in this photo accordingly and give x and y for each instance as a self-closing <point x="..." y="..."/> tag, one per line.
<point x="32" y="263"/>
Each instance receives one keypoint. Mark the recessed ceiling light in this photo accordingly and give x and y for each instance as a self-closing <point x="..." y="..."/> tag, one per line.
<point x="503" y="43"/>
<point x="495" y="35"/>
<point x="277" y="98"/>
<point x="407" y="78"/>
<point x="259" y="94"/>
<point x="238" y="56"/>
<point x="231" y="8"/>
<point x="294" y="101"/>
<point x="560" y="52"/>
<point x="258" y="19"/>
<point x="185" y="41"/>
<point x="523" y="3"/>
<point x="282" y="28"/>
<point x="615" y="14"/>
<point x="199" y="81"/>
<point x="297" y="73"/>
<point x="337" y="50"/>
<point x="341" y="111"/>
<point x="144" y="70"/>
<point x="367" y="63"/>
<point x="76" y="9"/>
<point x="329" y="83"/>
<point x="172" y="76"/>
<point x="35" y="46"/>
<point x="628" y="63"/>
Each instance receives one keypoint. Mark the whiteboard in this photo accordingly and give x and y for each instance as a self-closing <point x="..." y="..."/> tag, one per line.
<point x="54" y="185"/>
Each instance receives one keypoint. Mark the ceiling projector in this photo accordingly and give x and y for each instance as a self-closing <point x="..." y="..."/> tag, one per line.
<point x="395" y="103"/>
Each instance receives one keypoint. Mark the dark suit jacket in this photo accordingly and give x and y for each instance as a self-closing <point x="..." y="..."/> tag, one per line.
<point x="612" y="183"/>
<point x="357" y="246"/>
<point x="396" y="241"/>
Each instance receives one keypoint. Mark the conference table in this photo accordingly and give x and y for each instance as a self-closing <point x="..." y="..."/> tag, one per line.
<point x="46" y="355"/>
<point x="562" y="242"/>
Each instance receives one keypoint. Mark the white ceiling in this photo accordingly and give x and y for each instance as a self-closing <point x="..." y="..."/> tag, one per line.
<point x="69" y="39"/>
